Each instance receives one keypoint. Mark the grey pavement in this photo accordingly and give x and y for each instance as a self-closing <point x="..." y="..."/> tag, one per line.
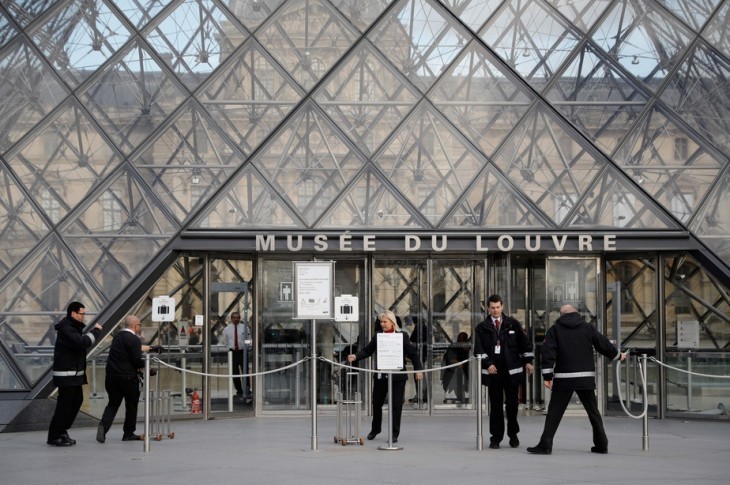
<point x="439" y="449"/>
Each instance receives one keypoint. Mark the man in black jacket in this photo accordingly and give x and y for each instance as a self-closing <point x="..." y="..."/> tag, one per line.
<point x="508" y="350"/>
<point x="122" y="382"/>
<point x="69" y="371"/>
<point x="567" y="366"/>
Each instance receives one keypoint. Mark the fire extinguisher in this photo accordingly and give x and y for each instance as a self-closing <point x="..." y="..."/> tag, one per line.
<point x="195" y="401"/>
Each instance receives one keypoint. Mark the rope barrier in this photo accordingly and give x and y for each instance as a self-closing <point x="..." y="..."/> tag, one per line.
<point x="643" y="389"/>
<point x="686" y="371"/>
<point x="372" y="371"/>
<point x="272" y="371"/>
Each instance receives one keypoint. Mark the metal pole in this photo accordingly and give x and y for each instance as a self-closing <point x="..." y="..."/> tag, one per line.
<point x="645" y="434"/>
<point x="477" y="373"/>
<point x="314" y="385"/>
<point x="689" y="383"/>
<point x="390" y="445"/>
<point x="230" y="381"/>
<point x="147" y="402"/>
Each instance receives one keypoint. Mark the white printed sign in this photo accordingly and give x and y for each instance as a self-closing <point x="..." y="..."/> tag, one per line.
<point x="688" y="334"/>
<point x="163" y="309"/>
<point x="390" y="351"/>
<point x="346" y="308"/>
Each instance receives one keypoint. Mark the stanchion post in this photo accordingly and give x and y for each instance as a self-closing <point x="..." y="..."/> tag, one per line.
<point x="477" y="372"/>
<point x="689" y="383"/>
<point x="314" y="385"/>
<point x="147" y="402"/>
<point x="230" y="381"/>
<point x="645" y="434"/>
<point x="390" y="417"/>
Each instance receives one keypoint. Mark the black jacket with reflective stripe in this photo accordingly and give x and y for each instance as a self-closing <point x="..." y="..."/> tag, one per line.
<point x="515" y="347"/>
<point x="69" y="352"/>
<point x="567" y="353"/>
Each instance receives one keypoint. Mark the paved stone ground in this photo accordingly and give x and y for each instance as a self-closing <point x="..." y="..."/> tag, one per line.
<point x="438" y="449"/>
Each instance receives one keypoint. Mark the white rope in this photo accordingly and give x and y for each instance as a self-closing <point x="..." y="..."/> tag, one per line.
<point x="278" y="369"/>
<point x="643" y="389"/>
<point x="435" y="369"/>
<point x="688" y="372"/>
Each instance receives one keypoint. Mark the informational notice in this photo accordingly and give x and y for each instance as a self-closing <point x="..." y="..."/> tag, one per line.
<point x="163" y="309"/>
<point x="390" y="351"/>
<point x="313" y="282"/>
<point x="688" y="334"/>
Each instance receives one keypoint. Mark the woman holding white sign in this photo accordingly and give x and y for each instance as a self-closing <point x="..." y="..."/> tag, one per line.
<point x="380" y="381"/>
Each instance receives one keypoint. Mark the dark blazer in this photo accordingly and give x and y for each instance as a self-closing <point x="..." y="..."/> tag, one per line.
<point x="515" y="347"/>
<point x="125" y="355"/>
<point x="409" y="350"/>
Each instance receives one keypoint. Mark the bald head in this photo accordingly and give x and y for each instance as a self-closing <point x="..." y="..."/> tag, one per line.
<point x="567" y="309"/>
<point x="130" y="322"/>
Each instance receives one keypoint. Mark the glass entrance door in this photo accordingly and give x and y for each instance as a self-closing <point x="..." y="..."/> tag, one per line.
<point x="231" y="296"/>
<point x="575" y="281"/>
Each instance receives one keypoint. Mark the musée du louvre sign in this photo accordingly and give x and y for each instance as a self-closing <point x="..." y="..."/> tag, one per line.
<point x="479" y="243"/>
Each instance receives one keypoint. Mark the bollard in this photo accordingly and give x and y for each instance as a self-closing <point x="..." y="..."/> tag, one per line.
<point x="645" y="433"/>
<point x="147" y="402"/>
<point x="478" y="378"/>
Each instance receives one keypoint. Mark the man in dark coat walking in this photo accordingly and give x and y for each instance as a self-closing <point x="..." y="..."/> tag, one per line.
<point x="69" y="371"/>
<point x="567" y="366"/>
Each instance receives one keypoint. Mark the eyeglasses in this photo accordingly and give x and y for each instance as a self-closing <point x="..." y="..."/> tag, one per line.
<point x="83" y="314"/>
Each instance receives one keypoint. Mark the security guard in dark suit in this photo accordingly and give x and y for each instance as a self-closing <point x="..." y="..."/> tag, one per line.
<point x="508" y="350"/>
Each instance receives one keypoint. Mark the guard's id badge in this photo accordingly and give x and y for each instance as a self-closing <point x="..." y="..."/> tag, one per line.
<point x="497" y="349"/>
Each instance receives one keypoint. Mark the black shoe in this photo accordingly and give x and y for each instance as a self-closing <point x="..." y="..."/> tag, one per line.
<point x="514" y="442"/>
<point x="538" y="451"/>
<point x="372" y="435"/>
<point x="68" y="438"/>
<point x="59" y="442"/>
<point x="602" y="451"/>
<point x="100" y="434"/>
<point x="131" y="437"/>
<point x="494" y="446"/>
<point x="395" y="439"/>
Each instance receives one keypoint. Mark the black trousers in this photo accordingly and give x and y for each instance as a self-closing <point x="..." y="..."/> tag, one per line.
<point x="559" y="401"/>
<point x="68" y="404"/>
<point x="119" y="389"/>
<point x="503" y="396"/>
<point x="380" y="392"/>
<point x="240" y="367"/>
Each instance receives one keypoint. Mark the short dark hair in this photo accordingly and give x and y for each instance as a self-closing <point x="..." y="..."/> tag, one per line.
<point x="74" y="307"/>
<point x="494" y="299"/>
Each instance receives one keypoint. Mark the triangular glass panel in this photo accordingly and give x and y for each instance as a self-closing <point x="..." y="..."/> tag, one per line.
<point x="361" y="13"/>
<point x="132" y="97"/>
<point x="366" y="97"/>
<point x="7" y="30"/>
<point x="546" y="164"/>
<point x="30" y="90"/>
<point x="712" y="221"/>
<point x="597" y="98"/>
<point x="669" y="164"/>
<point x="25" y="11"/>
<point x="420" y="39"/>
<point x="79" y="38"/>
<point x="581" y="13"/>
<point x="33" y="296"/>
<point x="370" y="203"/>
<point x="492" y="202"/>
<point x="249" y="96"/>
<point x="716" y="31"/>
<point x="309" y="162"/>
<point x="694" y="13"/>
<point x="72" y="149"/>
<point x="530" y="38"/>
<point x="472" y="12"/>
<point x="118" y="231"/>
<point x="429" y="162"/>
<point x="643" y="38"/>
<point x="9" y="379"/>
<point x="21" y="226"/>
<point x="481" y="98"/>
<point x="700" y="93"/>
<point x="187" y="162"/>
<point x="252" y="13"/>
<point x="308" y="56"/>
<point x="141" y="13"/>
<point x="195" y="38"/>
<point x="247" y="202"/>
<point x="614" y="203"/>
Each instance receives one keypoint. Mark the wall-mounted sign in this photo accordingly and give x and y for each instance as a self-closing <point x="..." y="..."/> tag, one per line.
<point x="163" y="309"/>
<point x="346" y="308"/>
<point x="313" y="283"/>
<point x="688" y="334"/>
